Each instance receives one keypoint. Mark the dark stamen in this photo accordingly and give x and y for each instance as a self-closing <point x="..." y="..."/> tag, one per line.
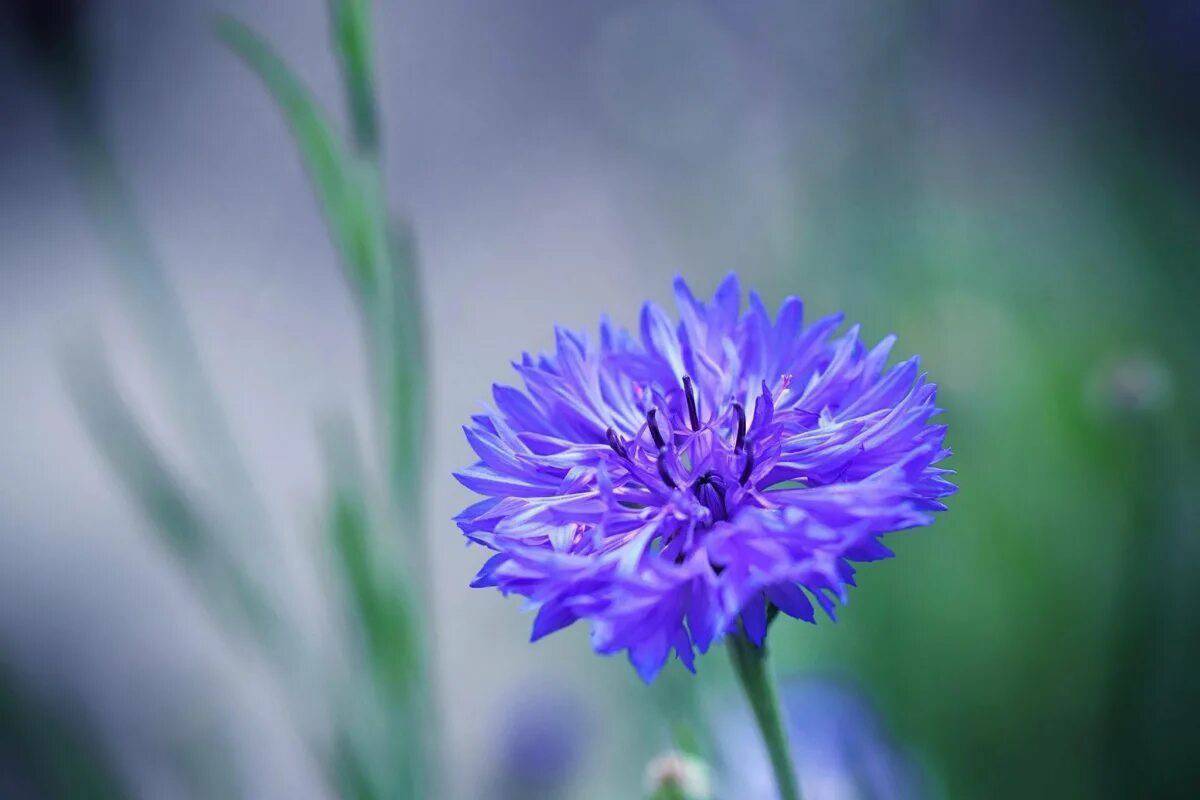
<point x="747" y="469"/>
<point x="614" y="442"/>
<point x="741" y="429"/>
<point x="661" y="463"/>
<point x="652" y="424"/>
<point x="691" y="403"/>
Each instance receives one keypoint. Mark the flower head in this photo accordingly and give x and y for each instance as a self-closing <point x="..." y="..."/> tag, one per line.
<point x="667" y="487"/>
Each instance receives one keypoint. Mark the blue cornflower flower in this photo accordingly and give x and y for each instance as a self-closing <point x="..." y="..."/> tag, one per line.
<point x="667" y="486"/>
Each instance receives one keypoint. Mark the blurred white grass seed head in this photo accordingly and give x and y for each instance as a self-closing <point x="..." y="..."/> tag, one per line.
<point x="684" y="775"/>
<point x="1135" y="383"/>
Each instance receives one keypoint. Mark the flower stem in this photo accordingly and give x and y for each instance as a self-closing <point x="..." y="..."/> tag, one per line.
<point x="750" y="664"/>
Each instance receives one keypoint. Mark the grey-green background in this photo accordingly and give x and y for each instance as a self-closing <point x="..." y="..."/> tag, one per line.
<point x="1012" y="188"/>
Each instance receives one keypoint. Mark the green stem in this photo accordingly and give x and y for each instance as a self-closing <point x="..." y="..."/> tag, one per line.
<point x="750" y="664"/>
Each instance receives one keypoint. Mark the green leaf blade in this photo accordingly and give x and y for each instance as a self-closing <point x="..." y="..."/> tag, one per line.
<point x="342" y="183"/>
<point x="352" y="40"/>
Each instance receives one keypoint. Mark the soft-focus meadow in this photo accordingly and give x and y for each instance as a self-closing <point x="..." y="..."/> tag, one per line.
<point x="241" y="324"/>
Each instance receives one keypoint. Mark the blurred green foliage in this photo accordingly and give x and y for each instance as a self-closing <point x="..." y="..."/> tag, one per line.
<point x="1024" y="644"/>
<point x="385" y="734"/>
<point x="387" y="740"/>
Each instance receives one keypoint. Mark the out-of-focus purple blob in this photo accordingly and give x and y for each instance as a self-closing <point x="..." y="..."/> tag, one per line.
<point x="540" y="746"/>
<point x="839" y="745"/>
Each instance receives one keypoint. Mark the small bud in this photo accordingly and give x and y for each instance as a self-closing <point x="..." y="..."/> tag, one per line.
<point x="1133" y="384"/>
<point x="678" y="775"/>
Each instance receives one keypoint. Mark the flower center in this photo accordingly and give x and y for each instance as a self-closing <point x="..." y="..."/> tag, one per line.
<point x="709" y="489"/>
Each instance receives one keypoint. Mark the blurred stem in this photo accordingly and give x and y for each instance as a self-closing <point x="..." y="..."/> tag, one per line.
<point x="403" y="386"/>
<point x="671" y="791"/>
<point x="381" y="268"/>
<point x="398" y="353"/>
<point x="392" y="312"/>
<point x="750" y="664"/>
<point x="1132" y="733"/>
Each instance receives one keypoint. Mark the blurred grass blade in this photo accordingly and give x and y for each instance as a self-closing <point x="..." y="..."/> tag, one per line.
<point x="351" y="23"/>
<point x="379" y="256"/>
<point x="378" y="716"/>
<point x="354" y="778"/>
<point x="385" y="614"/>
<point x="158" y="492"/>
<point x="382" y="713"/>
<point x="394" y="705"/>
<point x="148" y="294"/>
<point x="345" y="187"/>
<point x="129" y="451"/>
<point x="405" y="370"/>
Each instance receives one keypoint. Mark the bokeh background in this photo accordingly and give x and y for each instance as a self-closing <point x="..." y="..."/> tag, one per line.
<point x="1012" y="188"/>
